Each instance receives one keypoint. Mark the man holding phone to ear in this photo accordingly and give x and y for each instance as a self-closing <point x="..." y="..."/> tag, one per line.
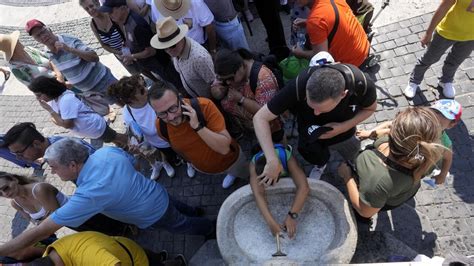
<point x="327" y="111"/>
<point x="205" y="142"/>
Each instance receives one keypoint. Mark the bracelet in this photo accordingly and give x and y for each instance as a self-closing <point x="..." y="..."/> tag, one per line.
<point x="199" y="127"/>
<point x="241" y="101"/>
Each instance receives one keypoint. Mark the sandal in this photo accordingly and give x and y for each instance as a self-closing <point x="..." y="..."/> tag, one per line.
<point x="7" y="75"/>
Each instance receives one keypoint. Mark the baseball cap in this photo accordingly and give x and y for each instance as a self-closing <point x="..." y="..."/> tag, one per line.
<point x="449" y="108"/>
<point x="321" y="58"/>
<point x="108" y="5"/>
<point x="31" y="24"/>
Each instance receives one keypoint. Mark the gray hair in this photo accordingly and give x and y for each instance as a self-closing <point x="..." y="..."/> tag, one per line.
<point x="67" y="150"/>
<point x="325" y="83"/>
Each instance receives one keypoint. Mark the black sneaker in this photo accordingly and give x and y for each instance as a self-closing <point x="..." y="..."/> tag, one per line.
<point x="181" y="259"/>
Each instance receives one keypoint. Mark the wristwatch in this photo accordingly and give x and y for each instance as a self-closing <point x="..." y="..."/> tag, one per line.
<point x="293" y="215"/>
<point x="199" y="127"/>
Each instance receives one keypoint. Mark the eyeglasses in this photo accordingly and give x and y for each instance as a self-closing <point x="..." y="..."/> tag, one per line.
<point x="18" y="153"/>
<point x="173" y="109"/>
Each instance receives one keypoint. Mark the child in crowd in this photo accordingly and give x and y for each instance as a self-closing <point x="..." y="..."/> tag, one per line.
<point x="140" y="118"/>
<point x="449" y="113"/>
<point x="290" y="168"/>
<point x="69" y="112"/>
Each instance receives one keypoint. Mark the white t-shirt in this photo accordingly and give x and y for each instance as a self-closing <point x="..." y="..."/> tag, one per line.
<point x="198" y="16"/>
<point x="145" y="117"/>
<point x="87" y="123"/>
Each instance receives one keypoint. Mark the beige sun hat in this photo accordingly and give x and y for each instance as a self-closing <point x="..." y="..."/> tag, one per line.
<point x="8" y="43"/>
<point x="168" y="33"/>
<point x="174" y="8"/>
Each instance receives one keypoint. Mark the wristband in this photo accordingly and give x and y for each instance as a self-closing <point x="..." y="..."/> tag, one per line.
<point x="199" y="127"/>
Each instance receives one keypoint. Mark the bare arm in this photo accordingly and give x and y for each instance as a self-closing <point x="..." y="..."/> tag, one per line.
<point x="363" y="209"/>
<point x="103" y="45"/>
<point x="259" y="194"/>
<point x="57" y="72"/>
<point x="439" y="14"/>
<point x="30" y="237"/>
<point x="447" y="161"/>
<point x="68" y="123"/>
<point x="380" y="130"/>
<point x="261" y="123"/>
<point x="341" y="127"/>
<point x="217" y="141"/>
<point x="211" y="35"/>
<point x="89" y="56"/>
<point x="308" y="54"/>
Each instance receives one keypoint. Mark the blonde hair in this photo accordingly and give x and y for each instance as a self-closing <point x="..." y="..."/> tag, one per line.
<point x="414" y="139"/>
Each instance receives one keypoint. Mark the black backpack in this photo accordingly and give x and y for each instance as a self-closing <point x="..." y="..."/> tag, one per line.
<point x="355" y="79"/>
<point x="269" y="61"/>
<point x="163" y="127"/>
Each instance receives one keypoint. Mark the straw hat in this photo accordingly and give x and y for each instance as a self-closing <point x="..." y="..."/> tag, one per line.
<point x="174" y="8"/>
<point x="168" y="33"/>
<point x="8" y="43"/>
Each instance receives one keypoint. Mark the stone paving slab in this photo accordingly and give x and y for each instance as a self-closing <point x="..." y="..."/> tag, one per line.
<point x="447" y="212"/>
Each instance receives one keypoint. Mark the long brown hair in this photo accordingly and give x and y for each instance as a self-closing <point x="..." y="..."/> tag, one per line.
<point x="22" y="180"/>
<point x="414" y="139"/>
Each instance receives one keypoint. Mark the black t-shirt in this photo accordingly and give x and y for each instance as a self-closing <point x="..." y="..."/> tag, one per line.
<point x="286" y="99"/>
<point x="138" y="35"/>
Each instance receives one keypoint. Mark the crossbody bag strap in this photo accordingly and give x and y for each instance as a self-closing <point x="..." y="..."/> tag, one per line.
<point x="128" y="252"/>
<point x="130" y="112"/>
<point x="392" y="163"/>
<point x="336" y="24"/>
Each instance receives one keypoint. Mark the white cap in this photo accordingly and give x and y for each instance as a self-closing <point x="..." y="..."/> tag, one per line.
<point x="321" y="57"/>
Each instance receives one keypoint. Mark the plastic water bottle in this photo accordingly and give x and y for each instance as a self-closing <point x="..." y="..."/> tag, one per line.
<point x="301" y="38"/>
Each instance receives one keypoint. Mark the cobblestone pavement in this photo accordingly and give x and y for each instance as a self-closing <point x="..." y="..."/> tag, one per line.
<point x="436" y="222"/>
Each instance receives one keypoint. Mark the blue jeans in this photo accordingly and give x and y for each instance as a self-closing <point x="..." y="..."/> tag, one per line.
<point x="231" y="34"/>
<point x="180" y="218"/>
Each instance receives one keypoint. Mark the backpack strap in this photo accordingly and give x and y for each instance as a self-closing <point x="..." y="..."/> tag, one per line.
<point x="353" y="76"/>
<point x="336" y="24"/>
<point x="130" y="112"/>
<point x="163" y="127"/>
<point x="301" y="81"/>
<point x="391" y="163"/>
<point x="197" y="108"/>
<point x="253" y="78"/>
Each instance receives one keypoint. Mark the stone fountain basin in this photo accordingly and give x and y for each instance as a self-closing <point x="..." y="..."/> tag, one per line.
<point x="326" y="231"/>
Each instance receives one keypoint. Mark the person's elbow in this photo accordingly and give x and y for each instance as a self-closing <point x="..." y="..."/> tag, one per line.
<point x="93" y="57"/>
<point x="68" y="124"/>
<point x="263" y="115"/>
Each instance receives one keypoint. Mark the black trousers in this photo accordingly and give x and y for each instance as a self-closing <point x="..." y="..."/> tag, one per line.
<point x="269" y="12"/>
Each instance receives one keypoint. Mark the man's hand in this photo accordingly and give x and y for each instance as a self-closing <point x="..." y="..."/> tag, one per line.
<point x="298" y="52"/>
<point x="191" y="113"/>
<point x="337" y="128"/>
<point x="61" y="46"/>
<point x="290" y="225"/>
<point x="426" y="39"/>
<point x="128" y="59"/>
<point x="270" y="173"/>
<point x="344" y="171"/>
<point x="299" y="23"/>
<point x="364" y="134"/>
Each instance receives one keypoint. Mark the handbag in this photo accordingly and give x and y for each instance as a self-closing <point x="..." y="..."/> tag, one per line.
<point x="96" y="101"/>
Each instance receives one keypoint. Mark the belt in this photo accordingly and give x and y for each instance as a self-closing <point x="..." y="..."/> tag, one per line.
<point x="226" y="20"/>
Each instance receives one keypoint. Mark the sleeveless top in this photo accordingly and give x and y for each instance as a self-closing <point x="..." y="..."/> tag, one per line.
<point x="113" y="38"/>
<point x="60" y="197"/>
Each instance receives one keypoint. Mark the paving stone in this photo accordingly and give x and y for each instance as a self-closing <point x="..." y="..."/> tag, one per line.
<point x="400" y="51"/>
<point x="404" y="31"/>
<point x="452" y="243"/>
<point x="389" y="44"/>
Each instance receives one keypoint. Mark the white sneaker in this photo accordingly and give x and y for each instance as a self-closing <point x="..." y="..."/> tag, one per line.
<point x="190" y="170"/>
<point x="316" y="172"/>
<point x="228" y="181"/>
<point x="448" y="89"/>
<point x="155" y="173"/>
<point x="169" y="169"/>
<point x="410" y="90"/>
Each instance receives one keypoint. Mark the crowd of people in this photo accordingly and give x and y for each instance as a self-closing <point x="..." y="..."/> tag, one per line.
<point x="195" y="88"/>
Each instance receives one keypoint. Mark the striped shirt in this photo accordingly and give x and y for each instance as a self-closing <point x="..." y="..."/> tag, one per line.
<point x="82" y="74"/>
<point x="113" y="38"/>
